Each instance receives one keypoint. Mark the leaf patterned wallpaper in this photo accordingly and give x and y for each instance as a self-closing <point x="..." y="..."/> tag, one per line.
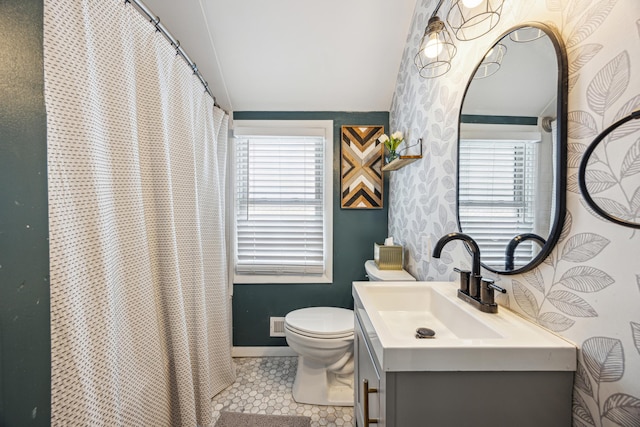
<point x="588" y="289"/>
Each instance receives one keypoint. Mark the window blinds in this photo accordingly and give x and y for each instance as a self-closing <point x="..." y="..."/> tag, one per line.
<point x="496" y="195"/>
<point x="280" y="212"/>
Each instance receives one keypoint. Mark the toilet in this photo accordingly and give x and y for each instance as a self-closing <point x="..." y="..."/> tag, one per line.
<point x="323" y="339"/>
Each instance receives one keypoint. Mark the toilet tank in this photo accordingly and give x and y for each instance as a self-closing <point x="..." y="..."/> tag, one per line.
<point x="375" y="274"/>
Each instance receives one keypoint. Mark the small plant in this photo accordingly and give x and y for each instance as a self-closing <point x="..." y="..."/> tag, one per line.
<point x="391" y="144"/>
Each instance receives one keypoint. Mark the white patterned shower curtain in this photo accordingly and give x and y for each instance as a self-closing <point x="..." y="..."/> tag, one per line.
<point x="140" y="331"/>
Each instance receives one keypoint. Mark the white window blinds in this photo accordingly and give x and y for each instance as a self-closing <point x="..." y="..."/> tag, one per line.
<point x="496" y="196"/>
<point x="281" y="209"/>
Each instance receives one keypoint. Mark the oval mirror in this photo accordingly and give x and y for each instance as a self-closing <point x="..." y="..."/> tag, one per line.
<point x="512" y="150"/>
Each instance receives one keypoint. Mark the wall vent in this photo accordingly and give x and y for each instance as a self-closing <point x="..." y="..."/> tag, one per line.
<point x="276" y="326"/>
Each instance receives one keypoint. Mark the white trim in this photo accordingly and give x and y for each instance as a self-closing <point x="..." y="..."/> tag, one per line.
<point x="499" y="132"/>
<point x="279" y="128"/>
<point x="252" y="279"/>
<point x="280" y="351"/>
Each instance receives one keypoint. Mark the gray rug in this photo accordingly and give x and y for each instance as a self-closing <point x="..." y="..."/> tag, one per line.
<point x="237" y="419"/>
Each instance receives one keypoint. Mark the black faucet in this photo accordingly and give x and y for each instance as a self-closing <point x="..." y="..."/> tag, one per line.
<point x="473" y="288"/>
<point x="474" y="283"/>
<point x="513" y="243"/>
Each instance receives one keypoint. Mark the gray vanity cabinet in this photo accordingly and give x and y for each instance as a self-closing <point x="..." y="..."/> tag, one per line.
<point x="376" y="394"/>
<point x="455" y="398"/>
<point x="367" y="378"/>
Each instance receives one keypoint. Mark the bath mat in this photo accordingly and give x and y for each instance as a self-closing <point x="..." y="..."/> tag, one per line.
<point x="237" y="419"/>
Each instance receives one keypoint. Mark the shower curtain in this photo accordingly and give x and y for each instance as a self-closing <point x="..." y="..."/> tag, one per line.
<point x="140" y="332"/>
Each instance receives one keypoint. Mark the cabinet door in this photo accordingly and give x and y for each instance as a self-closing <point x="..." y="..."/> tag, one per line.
<point x="365" y="370"/>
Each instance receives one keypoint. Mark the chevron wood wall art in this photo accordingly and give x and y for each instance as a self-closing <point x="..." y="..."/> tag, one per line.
<point x="362" y="182"/>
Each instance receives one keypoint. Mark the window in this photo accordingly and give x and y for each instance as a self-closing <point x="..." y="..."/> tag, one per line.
<point x="497" y="195"/>
<point x="282" y="201"/>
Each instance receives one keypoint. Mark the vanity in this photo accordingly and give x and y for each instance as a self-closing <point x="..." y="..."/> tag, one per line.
<point x="479" y="369"/>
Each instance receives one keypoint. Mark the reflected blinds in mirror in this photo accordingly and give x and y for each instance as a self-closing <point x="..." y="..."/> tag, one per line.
<point x="497" y="196"/>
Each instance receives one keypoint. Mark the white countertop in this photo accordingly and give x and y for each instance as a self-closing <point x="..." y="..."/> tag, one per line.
<point x="466" y="338"/>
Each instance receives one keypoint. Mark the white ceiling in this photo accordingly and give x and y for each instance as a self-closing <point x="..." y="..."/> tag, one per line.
<point x="293" y="55"/>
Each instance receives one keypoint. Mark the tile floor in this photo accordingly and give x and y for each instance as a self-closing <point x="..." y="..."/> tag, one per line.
<point x="263" y="386"/>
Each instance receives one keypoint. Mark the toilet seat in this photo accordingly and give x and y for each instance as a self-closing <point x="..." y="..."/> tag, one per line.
<point x="318" y="336"/>
<point x="321" y="322"/>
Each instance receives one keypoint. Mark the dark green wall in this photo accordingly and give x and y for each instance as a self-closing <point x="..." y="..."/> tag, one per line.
<point x="354" y="232"/>
<point x="24" y="251"/>
<point x="498" y="120"/>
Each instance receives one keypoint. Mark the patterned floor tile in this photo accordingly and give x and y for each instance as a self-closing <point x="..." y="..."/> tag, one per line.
<point x="263" y="386"/>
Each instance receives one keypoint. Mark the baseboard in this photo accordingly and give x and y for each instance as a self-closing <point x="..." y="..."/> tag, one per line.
<point x="278" y="351"/>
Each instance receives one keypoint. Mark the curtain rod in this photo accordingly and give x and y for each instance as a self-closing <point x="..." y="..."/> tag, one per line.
<point x="174" y="42"/>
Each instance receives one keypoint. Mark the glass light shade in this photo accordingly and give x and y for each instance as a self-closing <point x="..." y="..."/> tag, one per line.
<point x="436" y="50"/>
<point x="492" y="61"/>
<point x="471" y="22"/>
<point x="526" y="34"/>
<point x="471" y="3"/>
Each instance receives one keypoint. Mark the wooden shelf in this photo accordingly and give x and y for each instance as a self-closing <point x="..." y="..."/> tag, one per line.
<point x="400" y="162"/>
<point x="403" y="161"/>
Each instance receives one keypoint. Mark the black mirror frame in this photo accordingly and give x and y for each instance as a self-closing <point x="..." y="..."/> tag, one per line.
<point x="560" y="151"/>
<point x="582" y="171"/>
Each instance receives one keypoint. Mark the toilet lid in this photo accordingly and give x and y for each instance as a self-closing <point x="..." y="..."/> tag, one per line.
<point x="327" y="322"/>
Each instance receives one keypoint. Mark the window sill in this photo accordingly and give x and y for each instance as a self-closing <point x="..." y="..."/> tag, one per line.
<point x="252" y="279"/>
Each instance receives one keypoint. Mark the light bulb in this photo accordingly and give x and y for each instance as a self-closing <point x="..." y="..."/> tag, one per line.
<point x="470" y="4"/>
<point x="433" y="47"/>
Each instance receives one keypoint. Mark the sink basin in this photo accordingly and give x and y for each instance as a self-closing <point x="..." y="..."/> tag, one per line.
<point x="404" y="308"/>
<point x="465" y="338"/>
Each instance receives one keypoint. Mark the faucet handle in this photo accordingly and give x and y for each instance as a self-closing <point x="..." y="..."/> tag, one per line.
<point x="493" y="286"/>
<point x="464" y="279"/>
<point x="486" y="291"/>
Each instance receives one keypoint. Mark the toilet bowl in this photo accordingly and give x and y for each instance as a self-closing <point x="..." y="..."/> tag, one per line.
<point x="323" y="339"/>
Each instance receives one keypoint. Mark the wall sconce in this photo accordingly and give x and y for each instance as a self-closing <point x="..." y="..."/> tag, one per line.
<point x="470" y="19"/>
<point x="491" y="62"/>
<point x="436" y="49"/>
